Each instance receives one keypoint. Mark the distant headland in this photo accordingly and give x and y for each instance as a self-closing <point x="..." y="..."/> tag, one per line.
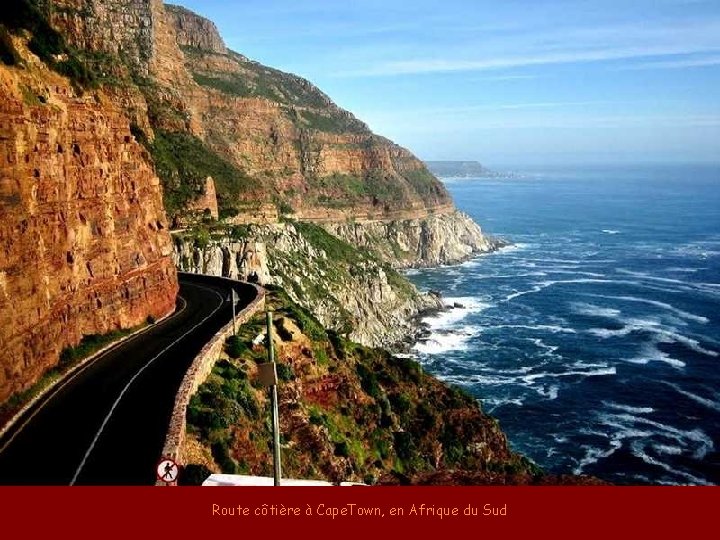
<point x="464" y="169"/>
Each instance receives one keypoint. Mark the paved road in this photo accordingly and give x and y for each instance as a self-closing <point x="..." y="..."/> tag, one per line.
<point x="106" y="425"/>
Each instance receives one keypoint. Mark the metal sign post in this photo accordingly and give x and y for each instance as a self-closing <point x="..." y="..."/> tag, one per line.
<point x="232" y="295"/>
<point x="274" y="398"/>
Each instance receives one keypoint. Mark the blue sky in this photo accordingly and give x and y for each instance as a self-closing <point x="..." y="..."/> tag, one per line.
<point x="509" y="82"/>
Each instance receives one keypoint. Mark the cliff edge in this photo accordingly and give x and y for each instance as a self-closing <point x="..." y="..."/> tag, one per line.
<point x="84" y="247"/>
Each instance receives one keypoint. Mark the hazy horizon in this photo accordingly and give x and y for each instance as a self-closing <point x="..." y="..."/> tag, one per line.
<point x="513" y="82"/>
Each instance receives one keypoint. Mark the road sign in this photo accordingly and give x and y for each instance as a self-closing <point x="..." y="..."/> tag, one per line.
<point x="167" y="470"/>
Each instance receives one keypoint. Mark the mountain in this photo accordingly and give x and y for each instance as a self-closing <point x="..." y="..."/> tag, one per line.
<point x="84" y="240"/>
<point x="461" y="169"/>
<point x="121" y="120"/>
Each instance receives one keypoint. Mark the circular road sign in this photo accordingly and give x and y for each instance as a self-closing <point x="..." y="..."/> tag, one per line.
<point x="167" y="470"/>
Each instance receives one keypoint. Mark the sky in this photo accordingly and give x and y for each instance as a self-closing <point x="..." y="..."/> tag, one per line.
<point x="511" y="82"/>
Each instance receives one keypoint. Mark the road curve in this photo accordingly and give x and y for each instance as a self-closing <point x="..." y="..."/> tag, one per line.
<point x="106" y="424"/>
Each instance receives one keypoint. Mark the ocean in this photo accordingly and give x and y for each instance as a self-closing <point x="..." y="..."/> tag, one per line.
<point x="595" y="338"/>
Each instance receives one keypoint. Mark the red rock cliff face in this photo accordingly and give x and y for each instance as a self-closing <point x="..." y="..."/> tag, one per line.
<point x="84" y="247"/>
<point x="291" y="143"/>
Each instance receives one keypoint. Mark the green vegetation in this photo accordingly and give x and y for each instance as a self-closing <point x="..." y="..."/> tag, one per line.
<point x="235" y="347"/>
<point x="283" y="207"/>
<point x="237" y="85"/>
<point x="305" y="320"/>
<point x="424" y="183"/>
<point x="183" y="162"/>
<point x="374" y="413"/>
<point x="336" y="249"/>
<point x="331" y="121"/>
<point x="90" y="344"/>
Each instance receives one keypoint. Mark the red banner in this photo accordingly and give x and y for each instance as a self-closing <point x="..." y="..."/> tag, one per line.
<point x="100" y="512"/>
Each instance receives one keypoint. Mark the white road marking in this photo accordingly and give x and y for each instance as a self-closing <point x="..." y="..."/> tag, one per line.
<point x="67" y="381"/>
<point x="122" y="392"/>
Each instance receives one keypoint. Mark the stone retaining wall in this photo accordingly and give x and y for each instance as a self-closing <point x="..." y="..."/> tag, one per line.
<point x="199" y="371"/>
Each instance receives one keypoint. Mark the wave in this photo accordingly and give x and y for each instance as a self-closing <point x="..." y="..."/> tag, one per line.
<point x="683" y="269"/>
<point x="573" y="273"/>
<point x="708" y="288"/>
<point x="628" y="408"/>
<point x="650" y="353"/>
<point x="638" y="450"/>
<point x="550" y="394"/>
<point x="517" y="294"/>
<point x="610" y="231"/>
<point x="593" y="373"/>
<point x="594" y="454"/>
<point x="703" y="443"/>
<point x="591" y="310"/>
<point x="552" y="328"/>
<point x="645" y="275"/>
<point x="643" y="434"/>
<point x="709" y="403"/>
<point x="662" y="305"/>
<point x="442" y="342"/>
<point x="661" y="334"/>
<point x="446" y="320"/>
<point x="537" y="287"/>
<point x="513" y="248"/>
<point x="540" y="344"/>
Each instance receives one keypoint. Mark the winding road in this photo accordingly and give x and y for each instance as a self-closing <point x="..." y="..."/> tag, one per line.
<point x="106" y="424"/>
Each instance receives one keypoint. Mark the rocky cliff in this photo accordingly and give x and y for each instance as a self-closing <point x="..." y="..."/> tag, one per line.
<point x="349" y="290"/>
<point x="84" y="247"/>
<point x="446" y="238"/>
<point x="266" y="137"/>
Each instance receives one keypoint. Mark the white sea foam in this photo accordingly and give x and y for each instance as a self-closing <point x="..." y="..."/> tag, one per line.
<point x="661" y="333"/>
<point x="649" y="352"/>
<point x="709" y="403"/>
<point x="628" y="408"/>
<point x="610" y="231"/>
<point x="573" y="273"/>
<point x="683" y="269"/>
<point x="519" y="371"/>
<point x="494" y="403"/>
<point x="638" y="450"/>
<point x="650" y="277"/>
<point x="662" y="305"/>
<point x="582" y="308"/>
<point x="594" y="454"/>
<point x="442" y="342"/>
<point x="552" y="328"/>
<point x="667" y="449"/>
<point x="592" y="373"/>
<point x="630" y="325"/>
<point x="514" y="248"/>
<point x="695" y="437"/>
<point x="540" y="344"/>
<point x="551" y="392"/>
<point x="446" y="320"/>
<point x="625" y="428"/>
<point x="517" y="294"/>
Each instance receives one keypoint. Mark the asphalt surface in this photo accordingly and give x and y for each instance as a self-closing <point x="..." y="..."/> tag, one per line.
<point x="106" y="425"/>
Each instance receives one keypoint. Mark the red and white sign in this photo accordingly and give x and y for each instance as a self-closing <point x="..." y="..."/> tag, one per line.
<point x="167" y="471"/>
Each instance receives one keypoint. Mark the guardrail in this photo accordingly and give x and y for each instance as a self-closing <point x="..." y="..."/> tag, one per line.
<point x="205" y="360"/>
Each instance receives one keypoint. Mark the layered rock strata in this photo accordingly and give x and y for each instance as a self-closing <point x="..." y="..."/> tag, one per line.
<point x="84" y="247"/>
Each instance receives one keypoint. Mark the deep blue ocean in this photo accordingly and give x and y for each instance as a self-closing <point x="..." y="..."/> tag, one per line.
<point x="595" y="339"/>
